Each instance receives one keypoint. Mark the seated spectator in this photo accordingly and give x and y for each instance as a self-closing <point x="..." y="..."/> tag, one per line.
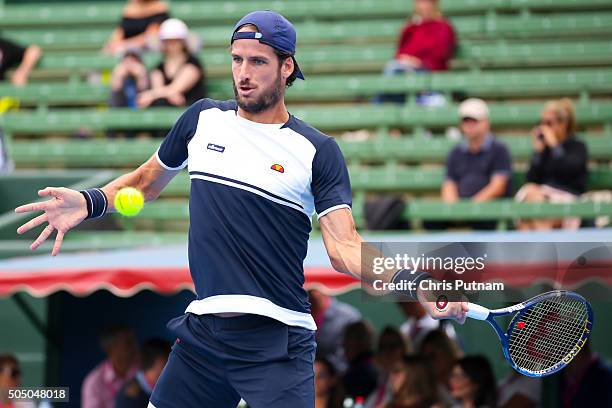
<point x="413" y="384"/>
<point x="10" y="377"/>
<point x="328" y="388"/>
<point x="136" y="392"/>
<point x="361" y="376"/>
<point x="179" y="79"/>
<point x="473" y="384"/>
<point x="128" y="78"/>
<point x="102" y="384"/>
<point x="586" y="382"/>
<point x="419" y="323"/>
<point x="442" y="353"/>
<point x="426" y="43"/>
<point x="332" y="317"/>
<point x="480" y="168"/>
<point x="558" y="169"/>
<point x="518" y="390"/>
<point x="140" y="21"/>
<point x="392" y="347"/>
<point x="22" y="59"/>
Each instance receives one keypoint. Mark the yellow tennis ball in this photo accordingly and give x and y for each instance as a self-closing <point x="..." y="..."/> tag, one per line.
<point x="129" y="201"/>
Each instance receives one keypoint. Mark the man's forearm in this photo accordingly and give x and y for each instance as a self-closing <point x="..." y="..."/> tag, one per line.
<point x="149" y="178"/>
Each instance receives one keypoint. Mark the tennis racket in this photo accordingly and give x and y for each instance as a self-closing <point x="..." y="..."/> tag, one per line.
<point x="545" y="333"/>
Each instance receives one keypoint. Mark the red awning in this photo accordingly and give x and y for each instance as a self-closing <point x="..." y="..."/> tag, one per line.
<point x="126" y="282"/>
<point x="165" y="270"/>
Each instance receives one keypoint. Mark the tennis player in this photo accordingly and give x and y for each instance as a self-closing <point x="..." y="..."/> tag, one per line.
<point x="258" y="174"/>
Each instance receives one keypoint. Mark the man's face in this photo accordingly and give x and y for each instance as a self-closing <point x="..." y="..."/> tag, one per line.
<point x="258" y="84"/>
<point x="474" y="129"/>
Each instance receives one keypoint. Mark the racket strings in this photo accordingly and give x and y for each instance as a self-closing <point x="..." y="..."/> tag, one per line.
<point x="550" y="331"/>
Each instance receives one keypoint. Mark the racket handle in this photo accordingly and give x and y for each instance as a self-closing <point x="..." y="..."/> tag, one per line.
<point x="477" y="312"/>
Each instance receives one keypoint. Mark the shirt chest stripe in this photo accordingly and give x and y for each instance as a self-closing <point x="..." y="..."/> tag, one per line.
<point x="245" y="186"/>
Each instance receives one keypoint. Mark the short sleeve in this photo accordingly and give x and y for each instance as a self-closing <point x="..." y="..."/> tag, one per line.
<point x="11" y="54"/>
<point x="331" y="186"/>
<point x="172" y="154"/>
<point x="451" y="166"/>
<point x="502" y="164"/>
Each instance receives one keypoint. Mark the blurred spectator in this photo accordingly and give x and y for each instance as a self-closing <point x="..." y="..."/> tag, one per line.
<point x="426" y="43"/>
<point x="328" y="388"/>
<point x="413" y="384"/>
<point x="102" y="384"/>
<point x="473" y="384"/>
<point x="129" y="77"/>
<point x="332" y="317"/>
<point x="140" y="21"/>
<point x="392" y="347"/>
<point x="419" y="323"/>
<point x="558" y="170"/>
<point x="10" y="377"/>
<point x="179" y="79"/>
<point x="480" y="168"/>
<point x="519" y="391"/>
<point x="361" y="376"/>
<point x="442" y="353"/>
<point x="136" y="392"/>
<point x="587" y="381"/>
<point x="23" y="59"/>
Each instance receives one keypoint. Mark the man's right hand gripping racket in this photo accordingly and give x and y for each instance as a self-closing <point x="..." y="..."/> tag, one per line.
<point x="545" y="333"/>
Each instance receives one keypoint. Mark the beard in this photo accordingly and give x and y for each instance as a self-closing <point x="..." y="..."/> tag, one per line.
<point x="268" y="98"/>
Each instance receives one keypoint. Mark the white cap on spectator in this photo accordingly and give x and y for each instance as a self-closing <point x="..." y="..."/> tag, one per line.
<point x="173" y="29"/>
<point x="474" y="108"/>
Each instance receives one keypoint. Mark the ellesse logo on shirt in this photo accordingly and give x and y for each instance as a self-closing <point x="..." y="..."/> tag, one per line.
<point x="216" y="147"/>
<point x="278" y="167"/>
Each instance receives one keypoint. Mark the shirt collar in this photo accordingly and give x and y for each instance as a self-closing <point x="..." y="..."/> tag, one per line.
<point x="487" y="143"/>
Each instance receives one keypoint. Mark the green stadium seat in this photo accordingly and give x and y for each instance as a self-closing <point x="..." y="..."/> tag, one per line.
<point x="345" y="58"/>
<point x="98" y="13"/>
<point x="102" y="153"/>
<point x="350" y="31"/>
<point x="354" y="87"/>
<point x="503" y="210"/>
<point x="325" y="118"/>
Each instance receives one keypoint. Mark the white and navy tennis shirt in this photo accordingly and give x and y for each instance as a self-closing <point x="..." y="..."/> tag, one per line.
<point x="254" y="189"/>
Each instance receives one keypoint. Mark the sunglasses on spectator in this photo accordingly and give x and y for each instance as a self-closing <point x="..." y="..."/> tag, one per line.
<point x="468" y="119"/>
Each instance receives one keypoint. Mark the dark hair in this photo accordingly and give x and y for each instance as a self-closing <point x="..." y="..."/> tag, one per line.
<point x="6" y="359"/>
<point x="336" y="393"/>
<point x="362" y="333"/>
<point x="419" y="382"/>
<point x="328" y="365"/>
<point x="479" y="371"/>
<point x="398" y="336"/>
<point x="152" y="350"/>
<point x="109" y="335"/>
<point x="439" y="340"/>
<point x="281" y="58"/>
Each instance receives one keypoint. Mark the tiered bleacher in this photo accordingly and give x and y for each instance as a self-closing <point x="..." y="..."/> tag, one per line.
<point x="514" y="53"/>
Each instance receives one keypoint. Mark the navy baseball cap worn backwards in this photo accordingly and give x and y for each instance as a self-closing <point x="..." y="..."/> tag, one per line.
<point x="273" y="30"/>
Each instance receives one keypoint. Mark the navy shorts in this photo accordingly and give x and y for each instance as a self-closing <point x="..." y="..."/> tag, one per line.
<point x="217" y="360"/>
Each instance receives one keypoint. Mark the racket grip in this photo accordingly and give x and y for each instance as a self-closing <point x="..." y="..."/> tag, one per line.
<point x="477" y="312"/>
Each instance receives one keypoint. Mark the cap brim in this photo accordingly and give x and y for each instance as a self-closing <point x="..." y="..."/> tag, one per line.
<point x="298" y="71"/>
